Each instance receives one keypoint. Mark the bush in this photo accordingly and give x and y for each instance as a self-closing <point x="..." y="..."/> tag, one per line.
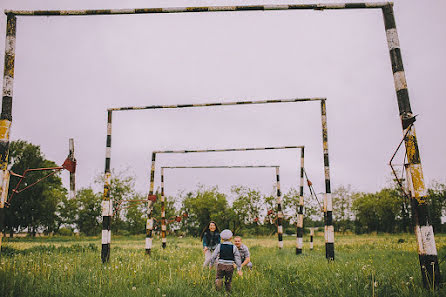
<point x="65" y="232"/>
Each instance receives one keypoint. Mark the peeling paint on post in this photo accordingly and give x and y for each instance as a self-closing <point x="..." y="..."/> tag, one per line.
<point x="427" y="251"/>
<point x="107" y="206"/>
<point x="163" y="212"/>
<point x="6" y="114"/>
<point x="300" y="211"/>
<point x="328" y="205"/>
<point x="150" y="201"/>
<point x="279" y="210"/>
<point x="72" y="193"/>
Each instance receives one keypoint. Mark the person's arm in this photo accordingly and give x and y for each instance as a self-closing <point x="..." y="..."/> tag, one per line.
<point x="214" y="256"/>
<point x="248" y="256"/>
<point x="205" y="243"/>
<point x="238" y="260"/>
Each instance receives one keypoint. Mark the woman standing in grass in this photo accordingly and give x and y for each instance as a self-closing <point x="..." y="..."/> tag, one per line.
<point x="211" y="238"/>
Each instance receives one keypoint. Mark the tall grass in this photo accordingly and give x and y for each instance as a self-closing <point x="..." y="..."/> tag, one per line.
<point x="365" y="266"/>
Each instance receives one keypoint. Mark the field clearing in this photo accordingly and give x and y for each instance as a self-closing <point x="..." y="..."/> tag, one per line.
<point x="365" y="265"/>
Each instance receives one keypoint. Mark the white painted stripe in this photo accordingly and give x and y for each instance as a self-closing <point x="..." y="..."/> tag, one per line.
<point x="163" y="214"/>
<point x="280" y="244"/>
<point x="280" y="229"/>
<point x="280" y="214"/>
<point x="108" y="152"/>
<point x="8" y="85"/>
<point x="10" y="45"/>
<point x="329" y="202"/>
<point x="332" y="5"/>
<point x="221" y="8"/>
<point x="311" y="232"/>
<point x="163" y="227"/>
<point x="4" y="185"/>
<point x="329" y="234"/>
<point x="117" y="11"/>
<point x="106" y="236"/>
<point x="400" y="80"/>
<point x="164" y="240"/>
<point x="428" y="241"/>
<point x="174" y="9"/>
<point x="149" y="224"/>
<point x="299" y="242"/>
<point x="392" y="39"/>
<point x="300" y="221"/>
<point x="327" y="172"/>
<point x="275" y="7"/>
<point x="301" y="200"/>
<point x="148" y="243"/>
<point x="109" y="128"/>
<point x="107" y="208"/>
<point x="311" y="245"/>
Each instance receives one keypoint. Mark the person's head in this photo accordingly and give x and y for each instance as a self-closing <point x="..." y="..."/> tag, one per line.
<point x="237" y="241"/>
<point x="226" y="235"/>
<point x="212" y="226"/>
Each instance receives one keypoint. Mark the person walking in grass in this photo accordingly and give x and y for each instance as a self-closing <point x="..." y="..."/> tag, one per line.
<point x="211" y="238"/>
<point x="244" y="252"/>
<point x="227" y="255"/>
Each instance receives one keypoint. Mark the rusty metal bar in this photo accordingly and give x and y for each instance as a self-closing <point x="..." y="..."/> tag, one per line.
<point x="197" y="9"/>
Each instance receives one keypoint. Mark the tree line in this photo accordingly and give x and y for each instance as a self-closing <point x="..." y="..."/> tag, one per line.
<point x="45" y="207"/>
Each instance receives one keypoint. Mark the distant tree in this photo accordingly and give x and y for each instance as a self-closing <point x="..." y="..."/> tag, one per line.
<point x="247" y="205"/>
<point x="36" y="207"/>
<point x="437" y="203"/>
<point x="89" y="218"/>
<point x="377" y="211"/>
<point x="342" y="208"/>
<point x="136" y="216"/>
<point x="204" y="205"/>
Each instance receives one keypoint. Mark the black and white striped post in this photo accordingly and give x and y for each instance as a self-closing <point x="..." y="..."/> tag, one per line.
<point x="163" y="212"/>
<point x="311" y="238"/>
<point x="6" y="115"/>
<point x="427" y="250"/>
<point x="208" y="167"/>
<point x="328" y="204"/>
<point x="72" y="192"/>
<point x="300" y="210"/>
<point x="150" y="201"/>
<point x="107" y="205"/>
<point x="279" y="210"/>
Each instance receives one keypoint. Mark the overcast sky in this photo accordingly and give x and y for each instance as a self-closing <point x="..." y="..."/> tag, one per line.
<point x="69" y="70"/>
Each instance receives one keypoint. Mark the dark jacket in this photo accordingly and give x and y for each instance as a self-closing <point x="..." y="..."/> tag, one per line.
<point x="211" y="240"/>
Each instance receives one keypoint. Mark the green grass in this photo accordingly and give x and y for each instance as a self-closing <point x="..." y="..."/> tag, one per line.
<point x="367" y="265"/>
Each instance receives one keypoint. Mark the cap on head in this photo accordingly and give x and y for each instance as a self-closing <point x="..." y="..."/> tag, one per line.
<point x="226" y="234"/>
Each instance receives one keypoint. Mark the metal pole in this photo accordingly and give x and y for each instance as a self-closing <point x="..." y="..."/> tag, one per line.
<point x="279" y="210"/>
<point x="163" y="212"/>
<point x="6" y="115"/>
<point x="149" y="225"/>
<point x="427" y="250"/>
<point x="72" y="193"/>
<point x="300" y="211"/>
<point x="107" y="205"/>
<point x="198" y="9"/>
<point x="328" y="204"/>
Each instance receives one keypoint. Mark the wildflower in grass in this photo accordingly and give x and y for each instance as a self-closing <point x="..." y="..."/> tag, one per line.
<point x="133" y="288"/>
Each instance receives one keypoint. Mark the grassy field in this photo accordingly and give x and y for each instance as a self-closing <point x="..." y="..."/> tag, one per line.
<point x="366" y="265"/>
